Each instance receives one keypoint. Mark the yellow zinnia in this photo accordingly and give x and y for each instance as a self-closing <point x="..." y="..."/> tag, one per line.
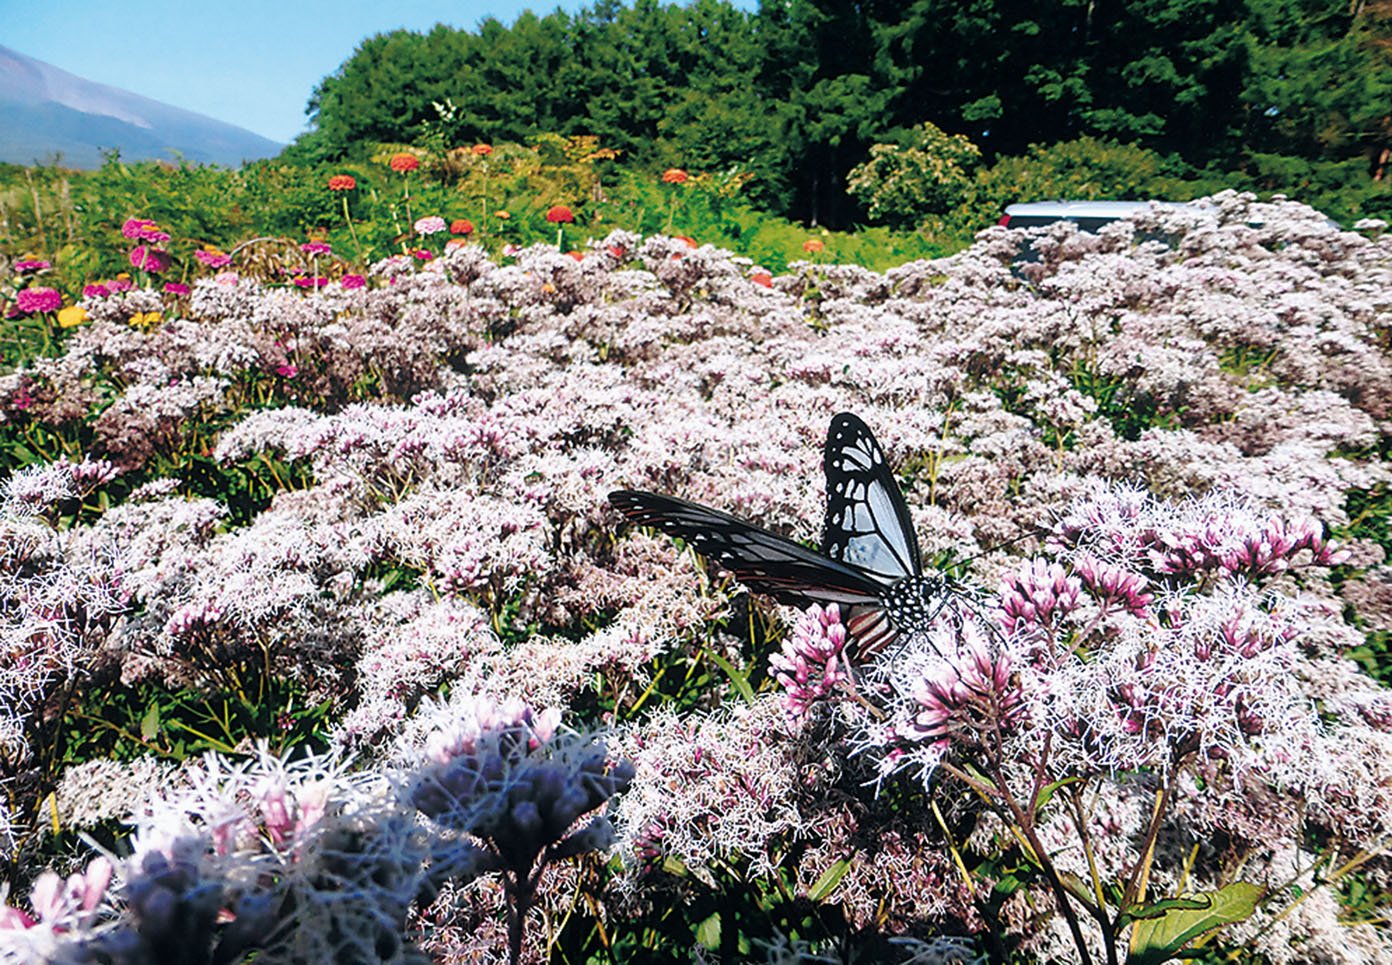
<point x="146" y="319"/>
<point x="72" y="316"/>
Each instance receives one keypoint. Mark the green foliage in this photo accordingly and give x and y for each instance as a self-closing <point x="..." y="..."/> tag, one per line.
<point x="932" y="174"/>
<point x="1087" y="169"/>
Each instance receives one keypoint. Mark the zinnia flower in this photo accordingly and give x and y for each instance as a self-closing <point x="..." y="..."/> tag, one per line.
<point x="213" y="258"/>
<point x="34" y="300"/>
<point x="430" y="225"/>
<point x="674" y="176"/>
<point x="287" y="371"/>
<point x="462" y="226"/>
<point x="403" y="162"/>
<point x="688" y="241"/>
<point x="316" y="248"/>
<point x="135" y="227"/>
<point x="176" y="288"/>
<point x="813" y="245"/>
<point x="305" y="281"/>
<point x="149" y="258"/>
<point x="557" y="214"/>
<point x="95" y="291"/>
<point x="342" y="182"/>
<point x="482" y="150"/>
<point x="762" y="278"/>
<point x="32" y="264"/>
<point x="422" y="255"/>
<point x="353" y="281"/>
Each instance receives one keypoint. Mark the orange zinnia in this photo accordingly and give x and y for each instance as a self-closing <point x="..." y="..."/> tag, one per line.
<point x="342" y="182"/>
<point x="813" y="245"/>
<point x="482" y="150"/>
<point x="403" y="162"/>
<point x="674" y="176"/>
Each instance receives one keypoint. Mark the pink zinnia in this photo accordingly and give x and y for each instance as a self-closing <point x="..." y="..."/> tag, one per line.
<point x="317" y="281"/>
<point x="135" y="227"/>
<point x="316" y="248"/>
<point x="148" y="258"/>
<point x="176" y="288"/>
<point x="33" y="264"/>
<point x="422" y="255"/>
<point x="213" y="259"/>
<point x="119" y="285"/>
<point x="431" y="225"/>
<point x="287" y="371"/>
<point x="353" y="281"/>
<point x="35" y="300"/>
<point x="95" y="291"/>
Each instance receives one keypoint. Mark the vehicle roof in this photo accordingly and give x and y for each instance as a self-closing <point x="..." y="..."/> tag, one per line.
<point x="1083" y="209"/>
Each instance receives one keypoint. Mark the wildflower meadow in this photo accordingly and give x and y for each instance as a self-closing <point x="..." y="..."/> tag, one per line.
<point x="323" y="640"/>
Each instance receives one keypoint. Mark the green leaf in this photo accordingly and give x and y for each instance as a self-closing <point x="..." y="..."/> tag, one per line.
<point x="708" y="932"/>
<point x="830" y="878"/>
<point x="1165" y="928"/>
<point x="740" y="681"/>
<point x="1049" y="789"/>
<point x="150" y="723"/>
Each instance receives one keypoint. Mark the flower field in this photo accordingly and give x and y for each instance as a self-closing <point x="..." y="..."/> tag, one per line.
<point x="323" y="642"/>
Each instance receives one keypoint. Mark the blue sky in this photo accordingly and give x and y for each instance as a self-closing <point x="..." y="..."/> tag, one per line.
<point x="248" y="62"/>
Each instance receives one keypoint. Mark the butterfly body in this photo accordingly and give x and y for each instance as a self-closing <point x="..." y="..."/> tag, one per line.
<point x="869" y="564"/>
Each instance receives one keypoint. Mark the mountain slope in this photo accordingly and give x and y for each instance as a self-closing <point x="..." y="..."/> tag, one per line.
<point x="45" y="111"/>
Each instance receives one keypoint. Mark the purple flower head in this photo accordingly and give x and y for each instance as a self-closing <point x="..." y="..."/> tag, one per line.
<point x="176" y="288"/>
<point x="31" y="265"/>
<point x="971" y="698"/>
<point x="98" y="290"/>
<point x="353" y="281"/>
<point x="1114" y="587"/>
<point x="422" y="254"/>
<point x="317" y="248"/>
<point x="314" y="281"/>
<point x="810" y="665"/>
<point x="1039" y="593"/>
<point x="119" y="285"/>
<point x="504" y="774"/>
<point x="33" y="301"/>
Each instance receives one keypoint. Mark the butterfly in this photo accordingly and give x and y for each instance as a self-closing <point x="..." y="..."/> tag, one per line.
<point x="870" y="565"/>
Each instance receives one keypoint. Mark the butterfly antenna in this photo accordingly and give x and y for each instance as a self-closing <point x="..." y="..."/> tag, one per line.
<point x="1031" y="534"/>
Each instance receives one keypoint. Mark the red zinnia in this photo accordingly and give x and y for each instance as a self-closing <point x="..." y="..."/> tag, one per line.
<point x="559" y="214"/>
<point x="403" y="162"/>
<point x="674" y="176"/>
<point x="461" y="226"/>
<point x="342" y="182"/>
<point x="482" y="150"/>
<point x="689" y="242"/>
<point x="813" y="245"/>
<point x="762" y="278"/>
<point x="578" y="256"/>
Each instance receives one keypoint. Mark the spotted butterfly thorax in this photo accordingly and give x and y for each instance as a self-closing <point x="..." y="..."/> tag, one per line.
<point x="869" y="564"/>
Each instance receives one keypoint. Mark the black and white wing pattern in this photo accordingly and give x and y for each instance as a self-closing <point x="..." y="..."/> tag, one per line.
<point x="868" y="527"/>
<point x="761" y="560"/>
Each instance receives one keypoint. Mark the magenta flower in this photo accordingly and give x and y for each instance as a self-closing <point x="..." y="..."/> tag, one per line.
<point x="119" y="285"/>
<point x="353" y="281"/>
<point x="305" y="281"/>
<point x="135" y="227"/>
<point x="316" y="248"/>
<point x="966" y="698"/>
<point x="1114" y="587"/>
<point x="213" y="259"/>
<point x="33" y="301"/>
<point x="176" y="288"/>
<point x="149" y="258"/>
<point x="1038" y="593"/>
<point x="287" y="371"/>
<point x="422" y="255"/>
<point x="32" y="265"/>
<point x="810" y="665"/>
<point x="95" y="291"/>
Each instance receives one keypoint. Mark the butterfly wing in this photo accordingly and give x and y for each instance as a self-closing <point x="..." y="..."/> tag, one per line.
<point x="868" y="525"/>
<point x="761" y="560"/>
<point x="867" y="522"/>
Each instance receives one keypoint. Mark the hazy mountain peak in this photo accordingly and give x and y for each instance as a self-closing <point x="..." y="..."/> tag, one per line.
<point x="46" y="111"/>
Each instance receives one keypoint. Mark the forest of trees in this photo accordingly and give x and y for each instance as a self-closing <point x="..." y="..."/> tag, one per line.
<point x="1285" y="93"/>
